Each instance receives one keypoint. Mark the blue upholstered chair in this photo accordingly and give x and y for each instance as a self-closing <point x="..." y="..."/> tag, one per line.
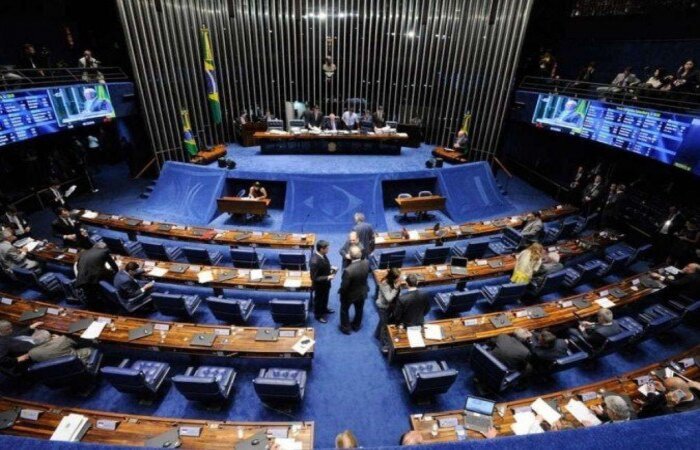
<point x="207" y="384"/>
<point x="292" y="261"/>
<point x="507" y="242"/>
<point x="69" y="291"/>
<point x="582" y="273"/>
<point x="428" y="378"/>
<point x="278" y="385"/>
<point x="129" y="304"/>
<point x="631" y="329"/>
<point x="658" y="319"/>
<point x="433" y="255"/>
<point x="504" y="293"/>
<point x="561" y="230"/>
<point x="246" y="259"/>
<point x="551" y="283"/>
<point x="611" y="264"/>
<point x="67" y="371"/>
<point x="473" y="249"/>
<point x="489" y="371"/>
<point x="49" y="283"/>
<point x="687" y="307"/>
<point x="121" y="247"/>
<point x="457" y="301"/>
<point x="176" y="304"/>
<point x="141" y="378"/>
<point x="202" y="256"/>
<point x="575" y="355"/>
<point x="161" y="252"/>
<point x="632" y="254"/>
<point x="289" y="311"/>
<point x="231" y="310"/>
<point x="388" y="259"/>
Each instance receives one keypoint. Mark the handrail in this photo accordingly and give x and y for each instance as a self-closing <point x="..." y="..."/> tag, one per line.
<point x="12" y="78"/>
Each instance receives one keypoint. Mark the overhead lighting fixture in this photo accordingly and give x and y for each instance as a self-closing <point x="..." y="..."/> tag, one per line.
<point x="322" y="15"/>
<point x="411" y="34"/>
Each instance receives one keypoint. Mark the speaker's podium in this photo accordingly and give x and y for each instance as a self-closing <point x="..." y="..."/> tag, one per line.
<point x="243" y="205"/>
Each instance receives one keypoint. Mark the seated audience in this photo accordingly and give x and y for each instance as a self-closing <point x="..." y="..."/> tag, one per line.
<point x="597" y="333"/>
<point x="69" y="230"/>
<point x="687" y="77"/>
<point x="533" y="229"/>
<point x="527" y="263"/>
<point x="623" y="79"/>
<point x="657" y="80"/>
<point x="353" y="239"/>
<point x="346" y="439"/>
<point x="16" y="342"/>
<point x="613" y="409"/>
<point x="49" y="346"/>
<point x="15" y="221"/>
<point x="412" y="305"/>
<point x="682" y="395"/>
<point x="388" y="292"/>
<point x="11" y="256"/>
<point x="125" y="281"/>
<point x="512" y="351"/>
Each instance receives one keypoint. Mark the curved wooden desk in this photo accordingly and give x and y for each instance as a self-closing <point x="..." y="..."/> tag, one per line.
<point x="231" y="341"/>
<point x="497" y="265"/>
<point x="504" y="416"/>
<point x="464" y="331"/>
<point x="274" y="280"/>
<point x="467" y="230"/>
<point x="133" y="430"/>
<point x="233" y="238"/>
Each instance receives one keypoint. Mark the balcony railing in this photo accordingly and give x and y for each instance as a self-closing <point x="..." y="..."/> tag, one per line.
<point x="11" y="78"/>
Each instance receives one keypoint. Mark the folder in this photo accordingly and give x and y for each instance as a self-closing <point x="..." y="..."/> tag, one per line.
<point x="267" y="334"/>
<point x="169" y="439"/>
<point x="164" y="227"/>
<point x="80" y="325"/>
<point x="581" y="303"/>
<point x="138" y="333"/>
<point x="178" y="268"/>
<point x="536" y="312"/>
<point x="500" y="321"/>
<point x="495" y="264"/>
<point x="226" y="275"/>
<point x="32" y="314"/>
<point x="203" y="339"/>
<point x="256" y="442"/>
<point x="8" y="418"/>
<point x="133" y="222"/>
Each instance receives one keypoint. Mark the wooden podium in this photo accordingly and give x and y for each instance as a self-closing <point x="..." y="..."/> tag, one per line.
<point x="243" y="205"/>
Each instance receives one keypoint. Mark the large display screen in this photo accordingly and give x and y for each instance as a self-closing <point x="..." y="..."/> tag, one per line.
<point x="30" y="113"/>
<point x="666" y="137"/>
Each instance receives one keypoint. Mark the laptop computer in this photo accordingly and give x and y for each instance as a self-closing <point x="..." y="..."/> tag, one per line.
<point x="477" y="414"/>
<point x="458" y="265"/>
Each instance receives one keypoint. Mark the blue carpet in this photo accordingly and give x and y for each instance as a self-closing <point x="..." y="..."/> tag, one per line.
<point x="351" y="385"/>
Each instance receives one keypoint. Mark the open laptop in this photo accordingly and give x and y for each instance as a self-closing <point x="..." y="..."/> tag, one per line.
<point x="458" y="265"/>
<point x="477" y="414"/>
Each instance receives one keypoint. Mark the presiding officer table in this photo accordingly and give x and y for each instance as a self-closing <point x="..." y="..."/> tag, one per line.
<point x="133" y="430"/>
<point x="348" y="142"/>
<point x="420" y="204"/>
<point x="243" y="205"/>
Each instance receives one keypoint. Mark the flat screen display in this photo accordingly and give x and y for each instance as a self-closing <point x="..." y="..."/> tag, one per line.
<point x="26" y="114"/>
<point x="670" y="138"/>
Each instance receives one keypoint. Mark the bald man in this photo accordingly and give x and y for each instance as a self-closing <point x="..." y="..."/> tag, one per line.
<point x="682" y="395"/>
<point x="685" y="283"/>
<point x="353" y="240"/>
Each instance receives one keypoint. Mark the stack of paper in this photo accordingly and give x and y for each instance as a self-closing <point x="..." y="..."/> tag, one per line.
<point x="526" y="423"/>
<point x="71" y="429"/>
<point x="256" y="275"/>
<point x="89" y="215"/>
<point x="288" y="444"/>
<point x="205" y="276"/>
<point x="413" y="234"/>
<point x="415" y="337"/>
<point x="292" y="283"/>
<point x="605" y="302"/>
<point x="379" y="240"/>
<point x="581" y="413"/>
<point x="94" y="330"/>
<point x="547" y="412"/>
<point x="433" y="332"/>
<point x="157" y="272"/>
<point x="303" y="345"/>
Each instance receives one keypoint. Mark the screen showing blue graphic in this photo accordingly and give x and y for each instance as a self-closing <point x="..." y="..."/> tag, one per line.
<point x="663" y="136"/>
<point x="27" y="114"/>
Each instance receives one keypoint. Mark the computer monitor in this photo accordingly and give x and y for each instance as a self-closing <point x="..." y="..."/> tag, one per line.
<point x="392" y="124"/>
<point x="275" y="124"/>
<point x="459" y="261"/>
<point x="296" y="124"/>
<point x="366" y="126"/>
<point x="479" y="405"/>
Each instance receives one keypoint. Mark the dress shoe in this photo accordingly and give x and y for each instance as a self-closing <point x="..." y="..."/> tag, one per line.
<point x="330" y="311"/>
<point x="354" y="328"/>
<point x="322" y="319"/>
<point x="344" y="330"/>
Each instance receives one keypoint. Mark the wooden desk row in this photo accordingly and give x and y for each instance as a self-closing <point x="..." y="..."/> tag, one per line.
<point x="496" y="265"/>
<point x="504" y="413"/>
<point x="327" y="142"/>
<point x="230" y="341"/>
<point x="420" y="204"/>
<point x="464" y="331"/>
<point x="453" y="156"/>
<point x="466" y="230"/>
<point x="243" y="205"/>
<point x="133" y="430"/>
<point x="221" y="277"/>
<point x="233" y="238"/>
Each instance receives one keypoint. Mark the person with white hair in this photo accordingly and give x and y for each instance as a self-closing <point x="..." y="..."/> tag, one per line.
<point x="353" y="240"/>
<point x="613" y="409"/>
<point x="353" y="290"/>
<point x="12" y="257"/>
<point x="365" y="232"/>
<point x="685" y="283"/>
<point x="512" y="350"/>
<point x="597" y="333"/>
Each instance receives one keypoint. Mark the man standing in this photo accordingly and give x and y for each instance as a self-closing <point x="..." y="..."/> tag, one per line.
<point x="412" y="306"/>
<point x="90" y="269"/>
<point x="461" y="142"/>
<point x="365" y="233"/>
<point x="314" y="118"/>
<point x="533" y="229"/>
<point x="322" y="273"/>
<point x="591" y="194"/>
<point x="353" y="240"/>
<point x="353" y="290"/>
<point x="349" y="118"/>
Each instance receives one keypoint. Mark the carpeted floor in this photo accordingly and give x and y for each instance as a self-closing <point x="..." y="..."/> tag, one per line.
<point x="351" y="385"/>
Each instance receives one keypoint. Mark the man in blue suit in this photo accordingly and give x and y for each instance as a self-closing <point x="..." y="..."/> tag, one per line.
<point x="125" y="281"/>
<point x="365" y="233"/>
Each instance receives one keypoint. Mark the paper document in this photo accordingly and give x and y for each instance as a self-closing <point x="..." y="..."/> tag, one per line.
<point x="205" y="276"/>
<point x="292" y="283"/>
<point x="71" y="428"/>
<point x="89" y="215"/>
<point x="94" y="330"/>
<point x="433" y="332"/>
<point x="547" y="412"/>
<point x="379" y="240"/>
<point x="413" y="234"/>
<point x="32" y="245"/>
<point x="415" y="337"/>
<point x="605" y="302"/>
<point x="288" y="444"/>
<point x="256" y="275"/>
<point x="303" y="345"/>
<point x="581" y="413"/>
<point x="157" y="272"/>
<point x="526" y="423"/>
<point x="672" y="270"/>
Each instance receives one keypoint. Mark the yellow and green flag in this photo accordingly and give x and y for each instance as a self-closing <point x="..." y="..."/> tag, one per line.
<point x="210" y="75"/>
<point x="466" y="123"/>
<point x="187" y="136"/>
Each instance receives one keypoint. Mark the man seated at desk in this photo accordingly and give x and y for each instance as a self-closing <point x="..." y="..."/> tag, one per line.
<point x="125" y="282"/>
<point x="366" y="121"/>
<point x="461" y="142"/>
<point x="313" y="118"/>
<point x="257" y="191"/>
<point x="350" y="119"/>
<point x="331" y="123"/>
<point x="597" y="333"/>
<point x="379" y="120"/>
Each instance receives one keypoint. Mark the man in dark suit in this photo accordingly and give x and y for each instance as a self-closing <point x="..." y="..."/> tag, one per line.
<point x="412" y="306"/>
<point x="353" y="240"/>
<point x="353" y="290"/>
<point x="512" y="350"/>
<point x="591" y="195"/>
<point x="331" y="123"/>
<point x="365" y="233"/>
<point x="686" y="283"/>
<point x="57" y="198"/>
<point x="597" y="333"/>
<point x="91" y="268"/>
<point x="666" y="229"/>
<point x="14" y="343"/>
<point x="378" y="117"/>
<point x="15" y="221"/>
<point x="322" y="273"/>
<point x="125" y="282"/>
<point x="313" y="118"/>
<point x="69" y="230"/>
<point x="546" y="348"/>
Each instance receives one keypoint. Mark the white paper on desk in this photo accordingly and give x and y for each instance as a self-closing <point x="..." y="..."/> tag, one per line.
<point x="433" y="332"/>
<point x="526" y="425"/>
<point x="288" y="444"/>
<point x="581" y="413"/>
<point x="32" y="245"/>
<point x="256" y="275"/>
<point x="673" y="270"/>
<point x="157" y="272"/>
<point x="645" y="389"/>
<point x="413" y="234"/>
<point x="94" y="330"/>
<point x="205" y="276"/>
<point x="292" y="283"/>
<point x="415" y="337"/>
<point x="481" y="262"/>
<point x="547" y="412"/>
<point x="303" y="345"/>
<point x="379" y="240"/>
<point x="89" y="215"/>
<point x="605" y="302"/>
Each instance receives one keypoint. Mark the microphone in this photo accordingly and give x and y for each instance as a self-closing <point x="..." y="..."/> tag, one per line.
<point x="303" y="223"/>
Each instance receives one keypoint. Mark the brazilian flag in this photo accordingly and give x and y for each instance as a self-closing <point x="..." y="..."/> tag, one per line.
<point x="187" y="136"/>
<point x="210" y="75"/>
<point x="466" y="123"/>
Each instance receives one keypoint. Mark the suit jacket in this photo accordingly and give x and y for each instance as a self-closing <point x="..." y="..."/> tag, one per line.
<point x="549" y="355"/>
<point x="320" y="269"/>
<point x="533" y="229"/>
<point x="353" y="286"/>
<point x="91" y="266"/>
<point x="411" y="308"/>
<point x="328" y="124"/>
<point x="126" y="285"/>
<point x="11" y="346"/>
<point x="61" y="227"/>
<point x="313" y="120"/>
<point x="592" y="191"/>
<point x="11" y="257"/>
<point x="365" y="233"/>
<point x="684" y="284"/>
<point x="379" y="122"/>
<point x="11" y="222"/>
<point x="54" y="348"/>
<point x="597" y="335"/>
<point x="511" y="352"/>
<point x="56" y="198"/>
<point x="346" y="248"/>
